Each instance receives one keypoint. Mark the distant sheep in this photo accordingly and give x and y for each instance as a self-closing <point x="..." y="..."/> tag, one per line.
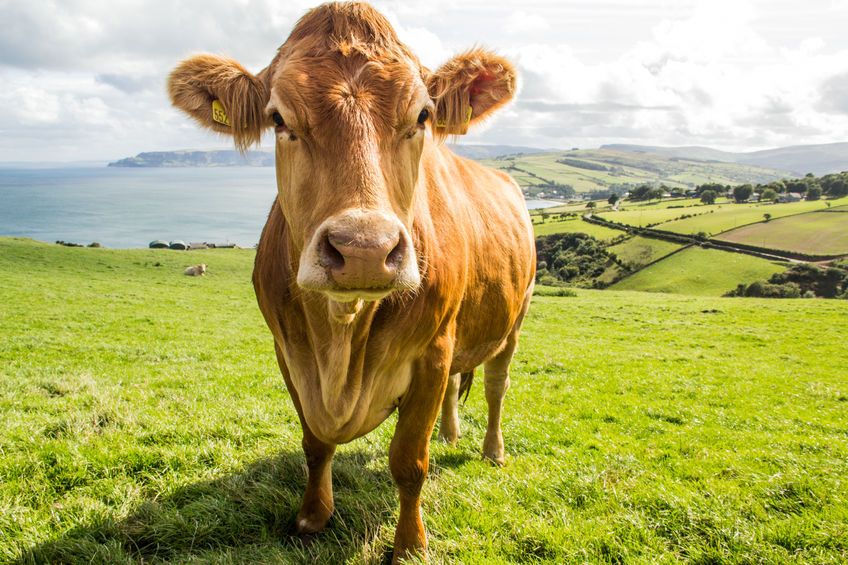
<point x="196" y="270"/>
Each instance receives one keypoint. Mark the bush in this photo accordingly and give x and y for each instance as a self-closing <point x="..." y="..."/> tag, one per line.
<point x="573" y="258"/>
<point x="799" y="280"/>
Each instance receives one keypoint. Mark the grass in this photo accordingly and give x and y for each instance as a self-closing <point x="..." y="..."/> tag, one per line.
<point x="641" y="216"/>
<point x="824" y="232"/>
<point x="143" y="420"/>
<point x="626" y="167"/>
<point x="576" y="226"/>
<point x="639" y="251"/>
<point x="731" y="216"/>
<point x="700" y="272"/>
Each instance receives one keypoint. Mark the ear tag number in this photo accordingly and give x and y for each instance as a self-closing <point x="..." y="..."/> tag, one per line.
<point x="442" y="123"/>
<point x="219" y="114"/>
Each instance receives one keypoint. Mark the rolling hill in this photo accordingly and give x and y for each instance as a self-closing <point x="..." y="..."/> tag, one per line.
<point x="799" y="159"/>
<point x="587" y="170"/>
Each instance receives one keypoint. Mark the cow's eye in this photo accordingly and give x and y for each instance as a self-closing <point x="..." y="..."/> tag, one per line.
<point x="422" y="117"/>
<point x="281" y="126"/>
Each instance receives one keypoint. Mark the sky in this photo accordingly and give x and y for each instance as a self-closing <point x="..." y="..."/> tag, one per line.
<point x="85" y="80"/>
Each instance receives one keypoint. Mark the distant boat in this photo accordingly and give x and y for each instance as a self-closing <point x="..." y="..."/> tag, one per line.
<point x="177" y="244"/>
<point x="158" y="244"/>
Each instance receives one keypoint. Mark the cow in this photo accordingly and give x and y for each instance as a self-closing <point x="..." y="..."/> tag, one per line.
<point x="195" y="270"/>
<point x="388" y="266"/>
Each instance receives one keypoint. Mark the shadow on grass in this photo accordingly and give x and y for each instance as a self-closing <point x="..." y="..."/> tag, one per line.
<point x="239" y="518"/>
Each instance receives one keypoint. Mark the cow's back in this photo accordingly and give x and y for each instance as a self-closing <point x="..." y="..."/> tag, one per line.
<point x="494" y="245"/>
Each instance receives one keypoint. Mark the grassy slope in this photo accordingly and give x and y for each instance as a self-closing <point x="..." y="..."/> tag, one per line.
<point x="142" y="419"/>
<point x="649" y="215"/>
<point x="816" y="232"/>
<point x="731" y="216"/>
<point x="576" y="225"/>
<point x="701" y="272"/>
<point x="713" y="219"/>
<point x="625" y="167"/>
<point x="638" y="251"/>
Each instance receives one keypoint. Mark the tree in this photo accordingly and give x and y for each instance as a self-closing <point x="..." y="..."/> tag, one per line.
<point x="796" y="185"/>
<point x="591" y="205"/>
<point x="742" y="192"/>
<point x="613" y="199"/>
<point x="655" y="194"/>
<point x="714" y="186"/>
<point x="640" y="192"/>
<point x="769" y="194"/>
<point x="814" y="192"/>
<point x="708" y="197"/>
<point x="767" y="216"/>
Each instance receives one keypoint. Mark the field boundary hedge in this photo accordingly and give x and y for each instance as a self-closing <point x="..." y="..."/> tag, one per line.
<point x="756" y="251"/>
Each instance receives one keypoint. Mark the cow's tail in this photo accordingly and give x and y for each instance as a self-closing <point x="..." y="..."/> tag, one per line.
<point x="465" y="382"/>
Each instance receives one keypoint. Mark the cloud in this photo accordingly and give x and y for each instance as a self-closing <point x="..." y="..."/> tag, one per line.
<point x="86" y="80"/>
<point x="834" y="95"/>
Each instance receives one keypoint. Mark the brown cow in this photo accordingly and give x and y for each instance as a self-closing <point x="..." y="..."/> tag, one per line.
<point x="388" y="265"/>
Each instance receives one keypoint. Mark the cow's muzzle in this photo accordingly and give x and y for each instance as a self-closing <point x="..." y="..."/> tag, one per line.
<point x="359" y="254"/>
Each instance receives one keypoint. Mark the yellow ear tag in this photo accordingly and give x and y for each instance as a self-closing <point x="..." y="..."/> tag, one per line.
<point x="219" y="114"/>
<point x="441" y="123"/>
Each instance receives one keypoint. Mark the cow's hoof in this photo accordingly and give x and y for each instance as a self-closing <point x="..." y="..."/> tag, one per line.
<point x="495" y="458"/>
<point x="493" y="449"/>
<point x="309" y="525"/>
<point x="448" y="437"/>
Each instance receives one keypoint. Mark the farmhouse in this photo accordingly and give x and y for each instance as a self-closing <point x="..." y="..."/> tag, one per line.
<point x="789" y="197"/>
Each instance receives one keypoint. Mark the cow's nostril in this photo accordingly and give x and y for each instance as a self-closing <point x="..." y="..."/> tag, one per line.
<point x="395" y="256"/>
<point x="330" y="256"/>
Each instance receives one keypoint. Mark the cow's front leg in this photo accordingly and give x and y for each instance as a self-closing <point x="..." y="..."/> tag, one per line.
<point x="317" y="506"/>
<point x="410" y="450"/>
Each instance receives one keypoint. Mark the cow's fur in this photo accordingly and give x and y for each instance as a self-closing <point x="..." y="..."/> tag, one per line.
<point x="350" y="94"/>
<point x="196" y="270"/>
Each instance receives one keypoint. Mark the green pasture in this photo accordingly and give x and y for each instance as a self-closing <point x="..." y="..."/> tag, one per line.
<point x="576" y="225"/>
<point x="638" y="251"/>
<point x="626" y="168"/>
<point x="143" y="420"/>
<point x="730" y="216"/>
<point x="701" y="272"/>
<point x="651" y="215"/>
<point x="824" y="232"/>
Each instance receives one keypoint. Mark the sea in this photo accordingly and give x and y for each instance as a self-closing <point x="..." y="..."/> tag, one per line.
<point x="130" y="207"/>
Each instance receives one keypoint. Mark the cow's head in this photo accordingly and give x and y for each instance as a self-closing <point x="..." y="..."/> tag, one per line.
<point x="350" y="106"/>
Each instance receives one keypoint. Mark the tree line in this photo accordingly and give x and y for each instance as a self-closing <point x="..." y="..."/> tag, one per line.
<point x="811" y="187"/>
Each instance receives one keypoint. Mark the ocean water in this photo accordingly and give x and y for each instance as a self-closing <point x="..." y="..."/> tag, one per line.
<point x="129" y="207"/>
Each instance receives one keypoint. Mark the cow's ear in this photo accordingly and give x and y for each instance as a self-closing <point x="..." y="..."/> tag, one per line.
<point x="221" y="95"/>
<point x="468" y="88"/>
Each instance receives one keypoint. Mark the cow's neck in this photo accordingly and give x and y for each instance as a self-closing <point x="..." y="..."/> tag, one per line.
<point x="339" y="346"/>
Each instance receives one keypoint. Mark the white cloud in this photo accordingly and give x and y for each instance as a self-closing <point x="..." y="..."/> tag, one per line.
<point x="85" y="80"/>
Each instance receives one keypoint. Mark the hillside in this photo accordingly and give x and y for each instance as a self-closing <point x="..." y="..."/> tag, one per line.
<point x="143" y="420"/>
<point x="587" y="170"/>
<point x="265" y="157"/>
<point x="799" y="159"/>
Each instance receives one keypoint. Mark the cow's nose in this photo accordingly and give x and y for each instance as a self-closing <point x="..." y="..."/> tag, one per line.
<point x="358" y="260"/>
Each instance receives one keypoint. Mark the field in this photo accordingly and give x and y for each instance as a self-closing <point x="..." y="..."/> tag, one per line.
<point x="576" y="225"/>
<point x="732" y="216"/>
<point x="649" y="215"/>
<point x="712" y="219"/>
<point x="701" y="272"/>
<point x="143" y="420"/>
<point x="824" y="232"/>
<point x="638" y="251"/>
<point x="592" y="169"/>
